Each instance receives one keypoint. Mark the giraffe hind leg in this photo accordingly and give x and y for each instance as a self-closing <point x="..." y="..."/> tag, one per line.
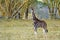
<point x="45" y="30"/>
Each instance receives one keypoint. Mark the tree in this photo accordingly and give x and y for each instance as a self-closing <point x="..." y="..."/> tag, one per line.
<point x="10" y="8"/>
<point x="25" y="8"/>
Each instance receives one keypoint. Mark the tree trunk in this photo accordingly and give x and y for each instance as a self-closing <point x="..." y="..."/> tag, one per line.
<point x="26" y="14"/>
<point x="59" y="9"/>
<point x="51" y="11"/>
<point x="9" y="11"/>
<point x="17" y="16"/>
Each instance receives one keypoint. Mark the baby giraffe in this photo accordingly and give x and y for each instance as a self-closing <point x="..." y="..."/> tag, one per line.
<point x="39" y="23"/>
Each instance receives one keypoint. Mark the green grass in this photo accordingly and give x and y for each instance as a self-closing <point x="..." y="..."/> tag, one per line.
<point x="23" y="30"/>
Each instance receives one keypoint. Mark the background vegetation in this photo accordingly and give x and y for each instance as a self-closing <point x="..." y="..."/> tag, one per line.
<point x="14" y="27"/>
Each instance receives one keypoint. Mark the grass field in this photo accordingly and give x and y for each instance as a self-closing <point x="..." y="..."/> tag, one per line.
<point x="23" y="30"/>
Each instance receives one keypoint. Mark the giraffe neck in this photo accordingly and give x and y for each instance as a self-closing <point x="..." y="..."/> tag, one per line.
<point x="33" y="14"/>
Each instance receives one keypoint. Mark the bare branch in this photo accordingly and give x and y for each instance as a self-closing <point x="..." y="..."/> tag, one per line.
<point x="18" y="8"/>
<point x="1" y="8"/>
<point x="15" y="5"/>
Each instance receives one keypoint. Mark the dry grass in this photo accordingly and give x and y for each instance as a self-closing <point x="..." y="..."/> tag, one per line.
<point x="23" y="30"/>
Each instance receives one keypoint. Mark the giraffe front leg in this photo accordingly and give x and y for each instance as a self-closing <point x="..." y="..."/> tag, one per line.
<point x="35" y="30"/>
